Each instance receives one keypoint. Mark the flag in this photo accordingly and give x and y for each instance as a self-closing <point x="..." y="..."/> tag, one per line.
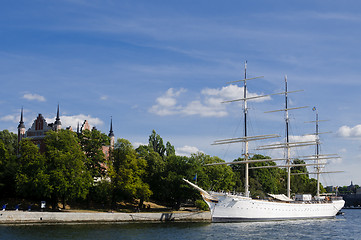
<point x="195" y="177"/>
<point x="314" y="109"/>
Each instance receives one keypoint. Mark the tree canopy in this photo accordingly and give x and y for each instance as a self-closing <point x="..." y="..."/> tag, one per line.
<point x="74" y="167"/>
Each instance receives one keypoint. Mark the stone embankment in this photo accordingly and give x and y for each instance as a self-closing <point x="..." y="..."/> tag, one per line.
<point x="15" y="217"/>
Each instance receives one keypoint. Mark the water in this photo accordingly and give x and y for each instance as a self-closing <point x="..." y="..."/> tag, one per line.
<point x="343" y="227"/>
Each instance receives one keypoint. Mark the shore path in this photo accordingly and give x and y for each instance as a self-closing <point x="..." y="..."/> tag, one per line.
<point x="16" y="217"/>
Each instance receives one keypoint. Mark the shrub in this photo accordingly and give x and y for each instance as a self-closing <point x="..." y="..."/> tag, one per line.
<point x="201" y="205"/>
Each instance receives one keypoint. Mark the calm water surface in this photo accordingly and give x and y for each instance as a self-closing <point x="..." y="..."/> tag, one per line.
<point x="343" y="227"/>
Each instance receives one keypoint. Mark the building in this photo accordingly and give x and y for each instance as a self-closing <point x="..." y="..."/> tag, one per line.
<point x="38" y="129"/>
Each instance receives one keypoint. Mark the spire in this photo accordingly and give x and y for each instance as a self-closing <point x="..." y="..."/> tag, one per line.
<point x="57" y="120"/>
<point x="21" y="129"/>
<point x="21" y="123"/>
<point x="77" y="128"/>
<point x="111" y="134"/>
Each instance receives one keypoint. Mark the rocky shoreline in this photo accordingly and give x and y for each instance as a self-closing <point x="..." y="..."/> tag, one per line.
<point x="21" y="217"/>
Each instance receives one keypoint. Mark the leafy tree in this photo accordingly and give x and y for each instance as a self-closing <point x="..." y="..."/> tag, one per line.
<point x="261" y="181"/>
<point x="92" y="143"/>
<point x="32" y="178"/>
<point x="4" y="156"/>
<point x="10" y="141"/>
<point x="65" y="161"/>
<point x="3" y="152"/>
<point x="174" y="189"/>
<point x="102" y="192"/>
<point x="300" y="182"/>
<point x="154" y="170"/>
<point x="8" y="163"/>
<point x="169" y="149"/>
<point x="126" y="170"/>
<point x="239" y="170"/>
<point x="8" y="169"/>
<point x="216" y="177"/>
<point x="156" y="143"/>
<point x="269" y="178"/>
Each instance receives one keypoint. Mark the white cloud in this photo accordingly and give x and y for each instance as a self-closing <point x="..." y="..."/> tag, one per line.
<point x="73" y="121"/>
<point x="350" y="132"/>
<point x="304" y="138"/>
<point x="35" y="97"/>
<point x="209" y="105"/>
<point x="137" y="144"/>
<point x="295" y="151"/>
<point x="104" y="98"/>
<point x="11" y="118"/>
<point x="343" y="150"/>
<point x="231" y="92"/>
<point x="186" y="150"/>
<point x="167" y="103"/>
<point x="335" y="160"/>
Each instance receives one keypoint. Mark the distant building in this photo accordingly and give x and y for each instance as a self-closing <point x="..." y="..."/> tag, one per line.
<point x="38" y="129"/>
<point x="351" y="188"/>
<point x="358" y="191"/>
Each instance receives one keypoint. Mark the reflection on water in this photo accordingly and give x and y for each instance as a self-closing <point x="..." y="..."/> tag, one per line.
<point x="343" y="227"/>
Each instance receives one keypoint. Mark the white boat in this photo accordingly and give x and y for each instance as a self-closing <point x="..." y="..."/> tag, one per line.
<point x="227" y="207"/>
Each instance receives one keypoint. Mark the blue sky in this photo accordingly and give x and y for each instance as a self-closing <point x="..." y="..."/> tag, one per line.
<point x="164" y="65"/>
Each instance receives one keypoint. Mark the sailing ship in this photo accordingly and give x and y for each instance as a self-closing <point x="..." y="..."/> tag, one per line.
<point x="228" y="207"/>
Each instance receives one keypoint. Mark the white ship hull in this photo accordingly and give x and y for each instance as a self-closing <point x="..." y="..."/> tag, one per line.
<point x="231" y="208"/>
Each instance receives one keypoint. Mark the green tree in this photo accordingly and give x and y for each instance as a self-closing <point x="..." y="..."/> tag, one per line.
<point x="154" y="170"/>
<point x="4" y="156"/>
<point x="10" y="141"/>
<point x="169" y="149"/>
<point x="92" y="143"/>
<point x="126" y="170"/>
<point x="216" y="177"/>
<point x="32" y="178"/>
<point x="174" y="189"/>
<point x="3" y="152"/>
<point x="261" y="181"/>
<point x="299" y="182"/>
<point x="8" y="163"/>
<point x="156" y="143"/>
<point x="269" y="178"/>
<point x="65" y="161"/>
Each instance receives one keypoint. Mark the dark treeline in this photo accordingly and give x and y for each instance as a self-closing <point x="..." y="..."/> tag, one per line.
<point x="74" y="169"/>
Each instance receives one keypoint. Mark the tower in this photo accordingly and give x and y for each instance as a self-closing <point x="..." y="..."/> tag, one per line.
<point x="111" y="134"/>
<point x="77" y="129"/>
<point x="21" y="127"/>
<point x="57" y="123"/>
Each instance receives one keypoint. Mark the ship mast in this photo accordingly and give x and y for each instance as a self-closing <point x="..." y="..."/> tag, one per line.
<point x="317" y="156"/>
<point x="287" y="145"/>
<point x="245" y="139"/>
<point x="287" y="142"/>
<point x="246" y="182"/>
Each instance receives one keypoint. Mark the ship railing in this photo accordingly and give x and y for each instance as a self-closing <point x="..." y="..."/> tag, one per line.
<point x="336" y="198"/>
